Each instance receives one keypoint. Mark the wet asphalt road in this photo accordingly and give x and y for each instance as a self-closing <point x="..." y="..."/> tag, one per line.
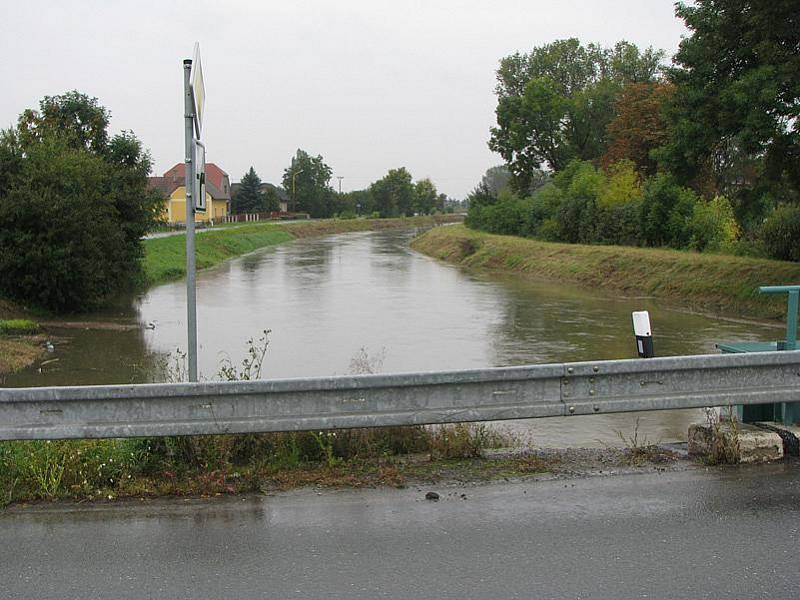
<point x="730" y="533"/>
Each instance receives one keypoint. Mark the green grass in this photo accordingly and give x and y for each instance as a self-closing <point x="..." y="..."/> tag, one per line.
<point x="18" y="327"/>
<point x="165" y="258"/>
<point x="712" y="283"/>
<point x="19" y="344"/>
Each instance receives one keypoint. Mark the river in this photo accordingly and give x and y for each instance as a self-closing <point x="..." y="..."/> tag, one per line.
<point x="326" y="299"/>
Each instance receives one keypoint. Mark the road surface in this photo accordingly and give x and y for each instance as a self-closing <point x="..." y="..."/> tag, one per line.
<point x="730" y="533"/>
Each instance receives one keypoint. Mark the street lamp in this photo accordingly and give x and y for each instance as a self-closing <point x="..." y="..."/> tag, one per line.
<point x="294" y="189"/>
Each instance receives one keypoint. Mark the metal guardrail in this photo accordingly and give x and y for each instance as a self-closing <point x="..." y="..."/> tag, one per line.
<point x="581" y="388"/>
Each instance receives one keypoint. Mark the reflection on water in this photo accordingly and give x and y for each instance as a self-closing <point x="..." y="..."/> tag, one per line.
<point x="325" y="298"/>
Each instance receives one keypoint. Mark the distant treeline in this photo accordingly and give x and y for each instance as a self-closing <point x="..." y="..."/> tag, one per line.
<point x="306" y="188"/>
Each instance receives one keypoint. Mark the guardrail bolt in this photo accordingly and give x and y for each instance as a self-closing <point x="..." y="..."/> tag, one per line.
<point x="595" y="369"/>
<point x="570" y="370"/>
<point x="596" y="408"/>
<point x="571" y="410"/>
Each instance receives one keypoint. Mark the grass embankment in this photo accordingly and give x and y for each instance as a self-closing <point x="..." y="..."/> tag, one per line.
<point x="20" y="342"/>
<point x="712" y="283"/>
<point x="165" y="258"/>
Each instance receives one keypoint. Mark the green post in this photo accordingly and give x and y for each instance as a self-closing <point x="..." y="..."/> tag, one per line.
<point x="791" y="320"/>
<point x="786" y="412"/>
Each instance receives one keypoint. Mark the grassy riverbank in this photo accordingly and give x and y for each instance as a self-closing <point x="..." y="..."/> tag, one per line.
<point x="21" y="341"/>
<point x="165" y="258"/>
<point x="712" y="283"/>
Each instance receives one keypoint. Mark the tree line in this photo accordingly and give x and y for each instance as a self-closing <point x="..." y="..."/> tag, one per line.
<point x="610" y="145"/>
<point x="306" y="188"/>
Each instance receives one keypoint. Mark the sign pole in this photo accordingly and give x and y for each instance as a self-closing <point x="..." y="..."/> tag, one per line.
<point x="191" y="297"/>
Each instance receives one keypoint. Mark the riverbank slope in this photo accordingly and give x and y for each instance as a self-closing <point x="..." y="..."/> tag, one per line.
<point x="709" y="283"/>
<point x="165" y="257"/>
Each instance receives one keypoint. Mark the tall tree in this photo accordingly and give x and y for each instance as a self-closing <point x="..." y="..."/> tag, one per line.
<point x="555" y="103"/>
<point x="74" y="205"/>
<point x="271" y="199"/>
<point x="639" y="127"/>
<point x="249" y="197"/>
<point x="496" y="179"/>
<point x="737" y="96"/>
<point x="79" y="120"/>
<point x="307" y="181"/>
<point x="393" y="195"/>
<point x="425" y="197"/>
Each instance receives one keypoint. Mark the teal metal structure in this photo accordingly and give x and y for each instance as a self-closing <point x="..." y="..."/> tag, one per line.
<point x="785" y="412"/>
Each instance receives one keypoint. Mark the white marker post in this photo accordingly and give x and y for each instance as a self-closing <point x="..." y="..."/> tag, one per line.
<point x="194" y="104"/>
<point x="643" y="333"/>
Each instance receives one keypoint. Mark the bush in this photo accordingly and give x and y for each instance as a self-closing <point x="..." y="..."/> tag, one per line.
<point x="713" y="226"/>
<point x="667" y="209"/>
<point x="509" y="216"/>
<point x="74" y="206"/>
<point x="61" y="245"/>
<point x="584" y="205"/>
<point x="780" y="233"/>
<point x="620" y="224"/>
<point x="621" y="187"/>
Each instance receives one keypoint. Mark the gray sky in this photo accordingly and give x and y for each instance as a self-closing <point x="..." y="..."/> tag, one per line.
<point x="368" y="84"/>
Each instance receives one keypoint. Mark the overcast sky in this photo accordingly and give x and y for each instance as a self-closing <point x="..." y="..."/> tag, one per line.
<point x="368" y="84"/>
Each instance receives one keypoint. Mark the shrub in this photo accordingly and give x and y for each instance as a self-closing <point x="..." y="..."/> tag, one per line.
<point x="713" y="225"/>
<point x="567" y="219"/>
<point x="780" y="233"/>
<point x="667" y="209"/>
<point x="587" y="182"/>
<point x="620" y="224"/>
<point x="622" y="186"/>
<point x="74" y="206"/>
<point x="509" y="216"/>
<point x="543" y="206"/>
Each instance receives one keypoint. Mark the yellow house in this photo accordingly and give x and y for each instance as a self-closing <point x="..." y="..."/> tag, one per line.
<point x="175" y="208"/>
<point x="218" y="194"/>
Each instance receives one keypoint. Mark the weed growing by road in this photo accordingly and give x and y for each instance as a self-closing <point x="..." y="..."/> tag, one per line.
<point x="638" y="450"/>
<point x="224" y="464"/>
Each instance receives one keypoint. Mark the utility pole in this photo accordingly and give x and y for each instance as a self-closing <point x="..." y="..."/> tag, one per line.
<point x="339" y="177"/>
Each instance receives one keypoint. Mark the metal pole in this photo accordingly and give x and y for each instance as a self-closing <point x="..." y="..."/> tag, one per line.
<point x="791" y="320"/>
<point x="191" y="298"/>
<point x="340" y="184"/>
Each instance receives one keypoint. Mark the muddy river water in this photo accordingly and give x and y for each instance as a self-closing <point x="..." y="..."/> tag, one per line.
<point x="326" y="299"/>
